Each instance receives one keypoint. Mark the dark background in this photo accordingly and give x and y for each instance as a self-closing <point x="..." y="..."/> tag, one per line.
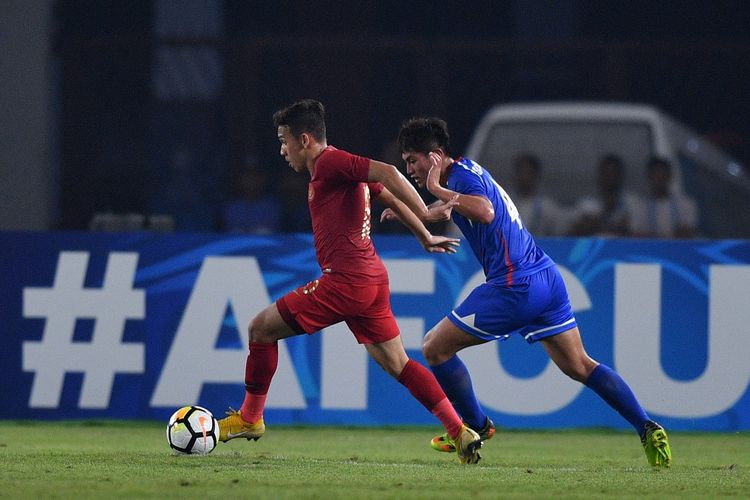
<point x="163" y="103"/>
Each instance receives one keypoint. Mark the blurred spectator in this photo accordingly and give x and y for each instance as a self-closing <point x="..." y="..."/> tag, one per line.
<point x="540" y="213"/>
<point x="609" y="212"/>
<point x="112" y="222"/>
<point x="664" y="213"/>
<point x="253" y="207"/>
<point x="190" y="194"/>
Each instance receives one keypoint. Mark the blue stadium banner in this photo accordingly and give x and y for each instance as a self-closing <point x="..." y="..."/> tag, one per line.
<point x="133" y="325"/>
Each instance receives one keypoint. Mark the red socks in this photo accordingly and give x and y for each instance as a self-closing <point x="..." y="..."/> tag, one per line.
<point x="263" y="360"/>
<point x="425" y="388"/>
<point x="259" y="370"/>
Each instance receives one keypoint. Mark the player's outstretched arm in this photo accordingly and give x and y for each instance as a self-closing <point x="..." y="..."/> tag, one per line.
<point x="476" y="208"/>
<point x="389" y="215"/>
<point x="396" y="183"/>
<point x="398" y="210"/>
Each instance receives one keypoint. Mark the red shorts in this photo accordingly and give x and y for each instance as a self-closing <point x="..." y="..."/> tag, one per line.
<point x="366" y="309"/>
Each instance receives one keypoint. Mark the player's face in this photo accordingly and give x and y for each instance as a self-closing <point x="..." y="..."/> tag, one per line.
<point x="417" y="166"/>
<point x="291" y="149"/>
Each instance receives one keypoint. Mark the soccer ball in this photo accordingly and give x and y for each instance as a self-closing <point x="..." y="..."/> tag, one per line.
<point x="192" y="430"/>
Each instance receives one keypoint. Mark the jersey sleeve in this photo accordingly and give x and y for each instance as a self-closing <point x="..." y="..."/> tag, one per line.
<point x="465" y="181"/>
<point x="375" y="189"/>
<point x="342" y="165"/>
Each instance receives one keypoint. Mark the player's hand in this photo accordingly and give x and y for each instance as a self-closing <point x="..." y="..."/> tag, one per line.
<point x="441" y="210"/>
<point x="433" y="176"/>
<point x="441" y="244"/>
<point x="388" y="215"/>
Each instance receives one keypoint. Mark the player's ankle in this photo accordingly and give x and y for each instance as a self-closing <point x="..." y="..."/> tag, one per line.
<point x="250" y="417"/>
<point x="457" y="433"/>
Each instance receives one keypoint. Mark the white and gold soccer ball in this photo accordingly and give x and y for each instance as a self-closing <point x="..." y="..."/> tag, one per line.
<point x="192" y="430"/>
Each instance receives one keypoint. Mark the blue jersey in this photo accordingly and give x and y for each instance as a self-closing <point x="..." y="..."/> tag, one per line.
<point x="504" y="247"/>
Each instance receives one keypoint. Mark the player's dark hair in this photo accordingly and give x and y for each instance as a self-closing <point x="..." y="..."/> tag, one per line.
<point x="422" y="135"/>
<point x="305" y="116"/>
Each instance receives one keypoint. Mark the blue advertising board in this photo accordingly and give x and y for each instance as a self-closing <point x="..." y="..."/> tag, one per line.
<point x="133" y="325"/>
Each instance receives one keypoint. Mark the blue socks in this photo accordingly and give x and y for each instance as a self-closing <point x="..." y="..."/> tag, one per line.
<point x="455" y="380"/>
<point x="615" y="391"/>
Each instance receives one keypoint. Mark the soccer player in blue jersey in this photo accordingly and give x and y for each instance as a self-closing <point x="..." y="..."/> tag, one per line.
<point x="524" y="292"/>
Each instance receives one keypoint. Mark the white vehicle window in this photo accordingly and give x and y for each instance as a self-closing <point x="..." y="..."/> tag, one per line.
<point x="569" y="152"/>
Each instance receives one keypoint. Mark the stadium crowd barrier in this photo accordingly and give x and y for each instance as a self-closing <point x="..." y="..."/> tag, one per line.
<point x="133" y="325"/>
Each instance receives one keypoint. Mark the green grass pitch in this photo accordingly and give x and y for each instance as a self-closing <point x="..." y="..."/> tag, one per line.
<point x="132" y="460"/>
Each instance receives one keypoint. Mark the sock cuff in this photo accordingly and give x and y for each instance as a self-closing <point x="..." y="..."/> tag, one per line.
<point x="408" y="373"/>
<point x="596" y="373"/>
<point x="449" y="365"/>
<point x="261" y="347"/>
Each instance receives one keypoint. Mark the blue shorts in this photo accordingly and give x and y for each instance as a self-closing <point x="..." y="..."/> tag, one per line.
<point x="536" y="307"/>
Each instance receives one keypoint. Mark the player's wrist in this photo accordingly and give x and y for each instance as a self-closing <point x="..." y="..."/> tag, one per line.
<point x="443" y="194"/>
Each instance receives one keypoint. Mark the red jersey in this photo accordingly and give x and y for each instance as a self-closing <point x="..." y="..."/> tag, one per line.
<point x="339" y="198"/>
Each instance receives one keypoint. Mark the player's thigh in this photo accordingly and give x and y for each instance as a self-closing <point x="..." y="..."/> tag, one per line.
<point x="548" y="308"/>
<point x="375" y="322"/>
<point x="492" y="312"/>
<point x="444" y="340"/>
<point x="390" y="355"/>
<point x="314" y="306"/>
<point x="269" y="326"/>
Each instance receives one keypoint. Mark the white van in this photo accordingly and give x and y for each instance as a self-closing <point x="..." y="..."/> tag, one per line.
<point x="570" y="137"/>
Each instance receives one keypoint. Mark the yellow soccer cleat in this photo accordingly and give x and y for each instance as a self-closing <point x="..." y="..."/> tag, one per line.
<point x="656" y="445"/>
<point x="467" y="445"/>
<point x="444" y="443"/>
<point x="233" y="426"/>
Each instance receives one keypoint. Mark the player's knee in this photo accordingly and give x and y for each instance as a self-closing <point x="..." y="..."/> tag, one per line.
<point x="258" y="331"/>
<point x="579" y="370"/>
<point x="392" y="369"/>
<point x="575" y="373"/>
<point x="432" y="352"/>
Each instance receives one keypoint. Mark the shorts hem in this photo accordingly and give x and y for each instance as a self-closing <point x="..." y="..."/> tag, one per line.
<point x="536" y="337"/>
<point x="473" y="331"/>
<point x="287" y="315"/>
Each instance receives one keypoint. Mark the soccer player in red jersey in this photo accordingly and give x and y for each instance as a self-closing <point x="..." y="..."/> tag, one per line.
<point x="353" y="286"/>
